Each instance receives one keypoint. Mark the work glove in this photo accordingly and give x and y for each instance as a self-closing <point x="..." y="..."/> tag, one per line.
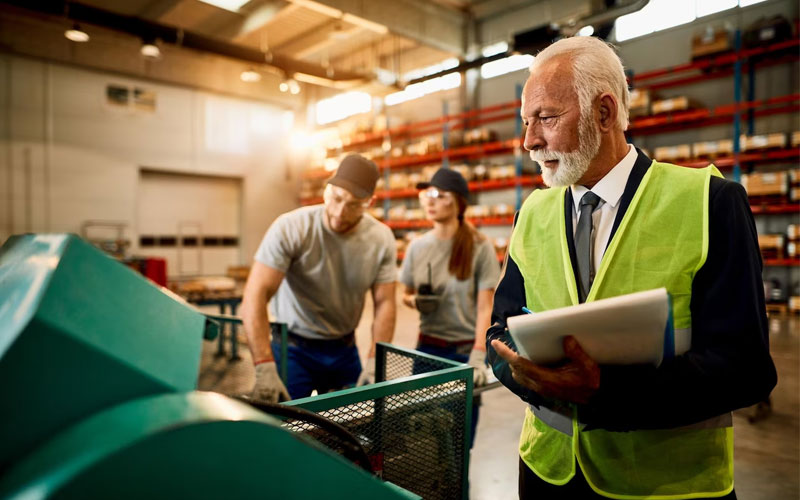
<point x="269" y="387"/>
<point x="368" y="373"/>
<point x="477" y="360"/>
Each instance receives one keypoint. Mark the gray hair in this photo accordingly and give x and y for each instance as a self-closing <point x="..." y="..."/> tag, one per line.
<point x="596" y="69"/>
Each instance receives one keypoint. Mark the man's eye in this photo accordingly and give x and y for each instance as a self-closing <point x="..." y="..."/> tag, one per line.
<point x="546" y="119"/>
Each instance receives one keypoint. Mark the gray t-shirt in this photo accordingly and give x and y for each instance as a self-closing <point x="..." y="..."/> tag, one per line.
<point x="327" y="274"/>
<point x="454" y="318"/>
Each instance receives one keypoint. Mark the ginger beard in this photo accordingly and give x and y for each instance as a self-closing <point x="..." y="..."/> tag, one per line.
<point x="572" y="165"/>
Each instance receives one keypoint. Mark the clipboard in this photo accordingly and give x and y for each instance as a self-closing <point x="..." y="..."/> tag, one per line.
<point x="629" y="329"/>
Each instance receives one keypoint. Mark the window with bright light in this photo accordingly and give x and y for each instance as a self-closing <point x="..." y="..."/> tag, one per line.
<point x="341" y="106"/>
<point x="495" y="48"/>
<point x="506" y="65"/>
<point x="662" y="14"/>
<point x="420" y="89"/>
<point x="430" y="70"/>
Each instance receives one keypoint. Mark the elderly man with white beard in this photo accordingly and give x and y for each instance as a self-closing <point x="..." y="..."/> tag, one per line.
<point x="613" y="222"/>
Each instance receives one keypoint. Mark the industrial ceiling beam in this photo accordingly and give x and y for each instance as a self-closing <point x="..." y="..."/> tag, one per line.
<point x="426" y="22"/>
<point x="147" y="29"/>
<point x="316" y="38"/>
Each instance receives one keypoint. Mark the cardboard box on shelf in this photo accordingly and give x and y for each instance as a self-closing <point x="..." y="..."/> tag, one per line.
<point x="670" y="153"/>
<point x="771" y="245"/>
<point x="766" y="184"/>
<point x="478" y="211"/>
<point x="502" y="172"/>
<point x="712" y="149"/>
<point x="480" y="173"/>
<point x="794" y="303"/>
<point x="414" y="214"/>
<point x="796" y="139"/>
<point x="764" y="141"/>
<point x="464" y="170"/>
<point x="711" y="41"/>
<point x="793" y="232"/>
<point x="397" y="213"/>
<point x="398" y="181"/>
<point x="502" y="210"/>
<point x="415" y="178"/>
<point x="680" y="103"/>
<point x="791" y="249"/>
<point x="794" y="194"/>
<point x="640" y="102"/>
<point x="794" y="177"/>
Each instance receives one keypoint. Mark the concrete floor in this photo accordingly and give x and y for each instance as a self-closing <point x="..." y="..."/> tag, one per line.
<point x="767" y="452"/>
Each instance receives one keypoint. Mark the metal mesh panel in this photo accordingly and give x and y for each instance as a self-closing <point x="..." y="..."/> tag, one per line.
<point x="401" y="364"/>
<point x="415" y="438"/>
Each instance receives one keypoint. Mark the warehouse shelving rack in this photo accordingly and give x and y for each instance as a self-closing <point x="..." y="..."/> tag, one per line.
<point x="734" y="63"/>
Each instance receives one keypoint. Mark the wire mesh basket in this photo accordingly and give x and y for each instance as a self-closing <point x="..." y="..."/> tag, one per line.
<point x="414" y="422"/>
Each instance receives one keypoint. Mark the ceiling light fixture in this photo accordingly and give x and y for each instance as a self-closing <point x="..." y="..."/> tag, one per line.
<point x="150" y="50"/>
<point x="294" y="87"/>
<point x="284" y="86"/>
<point x="250" y="76"/>
<point x="76" y="34"/>
<point x="586" y="31"/>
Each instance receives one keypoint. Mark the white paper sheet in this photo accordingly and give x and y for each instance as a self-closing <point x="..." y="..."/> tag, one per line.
<point x="621" y="330"/>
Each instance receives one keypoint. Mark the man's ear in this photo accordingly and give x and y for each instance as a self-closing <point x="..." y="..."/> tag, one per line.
<point x="607" y="112"/>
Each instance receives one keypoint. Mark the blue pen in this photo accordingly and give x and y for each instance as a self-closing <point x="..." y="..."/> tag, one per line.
<point x="526" y="310"/>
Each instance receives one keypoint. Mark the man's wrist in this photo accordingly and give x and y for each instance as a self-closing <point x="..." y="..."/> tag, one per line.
<point x="266" y="359"/>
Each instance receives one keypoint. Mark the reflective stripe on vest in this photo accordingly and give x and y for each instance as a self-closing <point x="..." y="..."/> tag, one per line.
<point x="662" y="240"/>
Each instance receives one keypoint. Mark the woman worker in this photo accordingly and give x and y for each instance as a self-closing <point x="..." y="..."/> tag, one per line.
<point x="450" y="274"/>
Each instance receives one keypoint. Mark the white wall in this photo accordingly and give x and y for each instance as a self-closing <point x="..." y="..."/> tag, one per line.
<point x="66" y="156"/>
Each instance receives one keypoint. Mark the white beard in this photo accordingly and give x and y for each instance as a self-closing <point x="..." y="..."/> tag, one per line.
<point x="572" y="165"/>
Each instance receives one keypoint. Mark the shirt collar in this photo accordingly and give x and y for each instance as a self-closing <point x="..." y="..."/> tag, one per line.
<point x="612" y="185"/>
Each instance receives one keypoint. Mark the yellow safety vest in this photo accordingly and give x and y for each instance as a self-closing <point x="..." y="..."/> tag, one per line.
<point x="662" y="241"/>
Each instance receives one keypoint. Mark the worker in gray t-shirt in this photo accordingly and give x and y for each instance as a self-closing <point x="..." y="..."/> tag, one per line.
<point x="449" y="275"/>
<point x="316" y="264"/>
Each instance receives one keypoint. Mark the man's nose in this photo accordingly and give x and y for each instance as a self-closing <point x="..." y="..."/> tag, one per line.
<point x="533" y="138"/>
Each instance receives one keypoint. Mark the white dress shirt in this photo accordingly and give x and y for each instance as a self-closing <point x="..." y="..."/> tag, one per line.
<point x="609" y="189"/>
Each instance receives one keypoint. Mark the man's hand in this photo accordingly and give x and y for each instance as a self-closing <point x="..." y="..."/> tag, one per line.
<point x="269" y="388"/>
<point x="575" y="381"/>
<point x="477" y="360"/>
<point x="368" y="373"/>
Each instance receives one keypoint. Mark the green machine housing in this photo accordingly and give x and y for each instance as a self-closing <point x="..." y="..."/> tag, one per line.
<point x="98" y="396"/>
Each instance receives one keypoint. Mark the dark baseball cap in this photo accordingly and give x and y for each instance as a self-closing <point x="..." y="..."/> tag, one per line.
<point x="447" y="180"/>
<point x="357" y="175"/>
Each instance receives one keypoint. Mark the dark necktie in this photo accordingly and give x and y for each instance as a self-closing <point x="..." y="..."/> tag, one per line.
<point x="583" y="243"/>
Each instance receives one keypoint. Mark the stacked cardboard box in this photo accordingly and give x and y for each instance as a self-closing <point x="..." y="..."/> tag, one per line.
<point x="772" y="245"/>
<point x="760" y="142"/>
<point x="793" y="245"/>
<point x="672" y="153"/>
<point x="772" y="184"/>
<point x="713" y="149"/>
<point x="681" y="103"/>
<point x="711" y="41"/>
<point x="640" y="102"/>
<point x="794" y="185"/>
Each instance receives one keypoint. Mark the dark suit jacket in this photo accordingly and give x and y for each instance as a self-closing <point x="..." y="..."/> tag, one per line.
<point x="728" y="365"/>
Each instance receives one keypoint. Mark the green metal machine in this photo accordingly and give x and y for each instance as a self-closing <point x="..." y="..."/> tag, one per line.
<point x="98" y="372"/>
